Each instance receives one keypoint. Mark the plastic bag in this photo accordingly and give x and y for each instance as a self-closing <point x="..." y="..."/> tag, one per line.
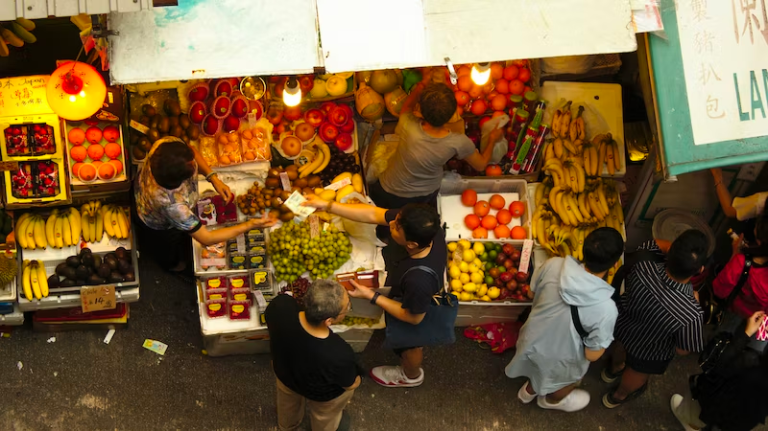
<point x="500" y="149"/>
<point x="381" y="152"/>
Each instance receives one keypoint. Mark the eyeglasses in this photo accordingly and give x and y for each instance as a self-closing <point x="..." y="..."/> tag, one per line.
<point x="346" y="309"/>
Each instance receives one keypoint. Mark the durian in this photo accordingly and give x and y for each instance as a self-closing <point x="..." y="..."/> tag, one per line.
<point x="8" y="268"/>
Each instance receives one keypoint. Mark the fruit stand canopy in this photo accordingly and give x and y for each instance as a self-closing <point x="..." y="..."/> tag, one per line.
<point x="219" y="38"/>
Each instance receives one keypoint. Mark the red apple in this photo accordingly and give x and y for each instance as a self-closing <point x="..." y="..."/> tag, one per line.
<point x="306" y="83"/>
<point x="509" y="264"/>
<point x="338" y="116"/>
<point x="275" y="116"/>
<point x="521" y="277"/>
<point x="231" y="123"/>
<point x="349" y="127"/>
<point x="239" y="108"/>
<point x="210" y="125"/>
<point x="198" y="94"/>
<point x="328" y="133"/>
<point x="515" y="256"/>
<point x="314" y="117"/>
<point x="505" y="277"/>
<point x="197" y="112"/>
<point x="508" y="249"/>
<point x="221" y="106"/>
<point x="344" y="141"/>
<point x="327" y="106"/>
<point x="292" y="113"/>
<point x="501" y="258"/>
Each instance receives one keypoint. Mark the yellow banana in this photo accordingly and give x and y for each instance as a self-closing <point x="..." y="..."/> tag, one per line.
<point x="541" y="234"/>
<point x="609" y="156"/>
<point x="558" y="147"/>
<point x="601" y="158"/>
<point x="568" y="144"/>
<point x="42" y="279"/>
<point x="594" y="159"/>
<point x="4" y="51"/>
<point x="21" y="231"/>
<point x="123" y="222"/>
<point x="109" y="226"/>
<point x="99" y="227"/>
<point x="326" y="157"/>
<point x="553" y="198"/>
<point x="573" y="209"/>
<point x="539" y="194"/>
<point x="75" y="224"/>
<point x="29" y="233"/>
<point x="549" y="151"/>
<point x="66" y="231"/>
<point x="85" y="219"/>
<point x="594" y="205"/>
<point x="49" y="235"/>
<point x="312" y="165"/>
<point x="26" y="281"/>
<point x="580" y="177"/>
<point x="92" y="230"/>
<point x="34" y="281"/>
<point x="603" y="202"/>
<point x="556" y="123"/>
<point x="583" y="206"/>
<point x="616" y="157"/>
<point x="39" y="233"/>
<point x="58" y="232"/>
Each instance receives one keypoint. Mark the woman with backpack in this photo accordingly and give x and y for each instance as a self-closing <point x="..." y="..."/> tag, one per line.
<point x="753" y="296"/>
<point x="732" y="395"/>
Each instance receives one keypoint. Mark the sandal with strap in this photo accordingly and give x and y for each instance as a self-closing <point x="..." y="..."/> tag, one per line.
<point x="609" y="401"/>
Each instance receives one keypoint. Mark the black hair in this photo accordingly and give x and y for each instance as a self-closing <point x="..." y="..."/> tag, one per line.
<point x="171" y="163"/>
<point x="420" y="223"/>
<point x="437" y="104"/>
<point x="322" y="301"/>
<point x="687" y="254"/>
<point x="602" y="248"/>
<point x="761" y="234"/>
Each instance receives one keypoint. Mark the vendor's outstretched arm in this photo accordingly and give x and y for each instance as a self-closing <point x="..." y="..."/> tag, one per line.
<point x="357" y="212"/>
<point x="210" y="237"/>
<point x="723" y="195"/>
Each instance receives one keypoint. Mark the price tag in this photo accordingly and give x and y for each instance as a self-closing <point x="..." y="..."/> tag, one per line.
<point x="285" y="181"/>
<point x="140" y="127"/>
<point x="259" y="297"/>
<point x="155" y="346"/>
<point x="9" y="166"/>
<point x="325" y="227"/>
<point x="95" y="298"/>
<point x="251" y="119"/>
<point x="314" y="226"/>
<point x="339" y="184"/>
<point x="241" y="243"/>
<point x="525" y="255"/>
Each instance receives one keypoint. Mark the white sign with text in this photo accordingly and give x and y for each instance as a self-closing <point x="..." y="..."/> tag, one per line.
<point x="724" y="47"/>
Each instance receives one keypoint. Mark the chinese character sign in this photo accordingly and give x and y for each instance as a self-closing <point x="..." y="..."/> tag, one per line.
<point x="725" y="59"/>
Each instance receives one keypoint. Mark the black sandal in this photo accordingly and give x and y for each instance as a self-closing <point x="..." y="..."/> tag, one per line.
<point x="610" y="402"/>
<point x="609" y="376"/>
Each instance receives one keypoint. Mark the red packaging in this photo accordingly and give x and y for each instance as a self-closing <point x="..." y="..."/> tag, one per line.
<point x="219" y="282"/>
<point x="215" y="294"/>
<point x="239" y="310"/>
<point x="238" y="281"/>
<point x="240" y="295"/>
<point x="216" y="308"/>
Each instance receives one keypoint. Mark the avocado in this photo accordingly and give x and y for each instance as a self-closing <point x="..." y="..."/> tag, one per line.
<point x="88" y="260"/>
<point x="69" y="273"/>
<point x="95" y="279"/>
<point x="115" y="278"/>
<point x="97" y="261"/>
<point x="60" y="268"/>
<point x="130" y="277"/>
<point x="82" y="272"/>
<point x="121" y="253"/>
<point x="104" y="270"/>
<point x="73" y="261"/>
<point x="53" y="281"/>
<point x="67" y="283"/>
<point x="111" y="261"/>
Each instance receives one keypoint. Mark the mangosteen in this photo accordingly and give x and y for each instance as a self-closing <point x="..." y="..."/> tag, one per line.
<point x="53" y="281"/>
<point x="73" y="261"/>
<point x="82" y="272"/>
<point x="115" y="277"/>
<point x="130" y="277"/>
<point x="121" y="253"/>
<point x="67" y="283"/>
<point x="111" y="261"/>
<point x="104" y="270"/>
<point x="95" y="279"/>
<point x="60" y="268"/>
<point x="124" y="267"/>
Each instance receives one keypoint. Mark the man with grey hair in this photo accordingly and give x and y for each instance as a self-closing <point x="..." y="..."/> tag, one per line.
<point x="313" y="365"/>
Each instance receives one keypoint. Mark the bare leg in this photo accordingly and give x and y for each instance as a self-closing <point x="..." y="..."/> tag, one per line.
<point x="557" y="396"/>
<point x="529" y="389"/>
<point x="618" y="357"/>
<point x="411" y="360"/>
<point x="631" y="381"/>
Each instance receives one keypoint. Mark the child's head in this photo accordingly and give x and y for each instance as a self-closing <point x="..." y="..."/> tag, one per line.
<point x="602" y="248"/>
<point x="687" y="254"/>
<point x="760" y="248"/>
<point x="437" y="104"/>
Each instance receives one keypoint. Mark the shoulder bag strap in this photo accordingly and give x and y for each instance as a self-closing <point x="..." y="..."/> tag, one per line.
<point x="577" y="322"/>
<point x="426" y="269"/>
<point x="742" y="281"/>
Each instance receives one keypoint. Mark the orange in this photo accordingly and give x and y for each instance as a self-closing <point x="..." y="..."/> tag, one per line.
<point x="248" y="155"/>
<point x="96" y="164"/>
<point x="497" y="70"/>
<point x="106" y="171"/>
<point x="479" y="107"/>
<point x="475" y="92"/>
<point x="95" y="151"/>
<point x="492" y="171"/>
<point x="482" y="208"/>
<point x="113" y="150"/>
<point x="463" y="71"/>
<point x="465" y="83"/>
<point x="503" y="216"/>
<point x="87" y="172"/>
<point x="76" y="168"/>
<point x="78" y="153"/>
<point x="472" y="221"/>
<point x="499" y="102"/>
<point x="118" y="165"/>
<point x="469" y="197"/>
<point x="76" y="136"/>
<point x="224" y="160"/>
<point x="480" y="233"/>
<point x="502" y="86"/>
<point x="497" y="202"/>
<point x="489" y="222"/>
<point x="501" y="231"/>
<point x="517" y="208"/>
<point x="518" y="232"/>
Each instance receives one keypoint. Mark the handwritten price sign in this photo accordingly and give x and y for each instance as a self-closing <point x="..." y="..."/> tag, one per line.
<point x="95" y="298"/>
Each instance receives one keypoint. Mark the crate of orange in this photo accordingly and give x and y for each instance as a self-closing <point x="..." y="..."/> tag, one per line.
<point x="485" y="210"/>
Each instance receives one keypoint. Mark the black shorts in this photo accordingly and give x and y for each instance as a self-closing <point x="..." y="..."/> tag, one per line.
<point x="647" y="366"/>
<point x="399" y="352"/>
<point x="384" y="199"/>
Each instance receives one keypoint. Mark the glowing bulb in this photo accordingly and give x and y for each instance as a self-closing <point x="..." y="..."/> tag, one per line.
<point x="292" y="92"/>
<point x="82" y="94"/>
<point x="481" y="73"/>
<point x="72" y="98"/>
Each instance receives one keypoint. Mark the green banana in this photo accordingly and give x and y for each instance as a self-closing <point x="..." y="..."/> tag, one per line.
<point x="22" y="33"/>
<point x="11" y="38"/>
<point x="4" y="51"/>
<point x="27" y="24"/>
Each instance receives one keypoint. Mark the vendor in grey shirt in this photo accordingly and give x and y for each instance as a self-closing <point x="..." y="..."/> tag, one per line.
<point x="416" y="169"/>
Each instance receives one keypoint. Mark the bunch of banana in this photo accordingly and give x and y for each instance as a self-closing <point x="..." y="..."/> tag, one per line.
<point x="116" y="221"/>
<point x="318" y="162"/>
<point x="608" y="150"/>
<point x="30" y="232"/>
<point x="63" y="228"/>
<point x="15" y="33"/>
<point x="561" y="121"/>
<point x="93" y="221"/>
<point x="34" y="280"/>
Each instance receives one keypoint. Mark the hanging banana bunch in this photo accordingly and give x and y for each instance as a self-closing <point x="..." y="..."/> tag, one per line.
<point x="15" y="33"/>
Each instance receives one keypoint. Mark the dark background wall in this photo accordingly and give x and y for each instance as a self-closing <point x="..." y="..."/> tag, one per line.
<point x="57" y="39"/>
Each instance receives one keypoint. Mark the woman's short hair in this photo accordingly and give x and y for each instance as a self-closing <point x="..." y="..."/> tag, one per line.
<point x="171" y="163"/>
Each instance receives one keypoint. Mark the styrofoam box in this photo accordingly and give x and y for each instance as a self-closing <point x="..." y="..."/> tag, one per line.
<point x="488" y="312"/>
<point x="16" y="318"/>
<point x="453" y="212"/>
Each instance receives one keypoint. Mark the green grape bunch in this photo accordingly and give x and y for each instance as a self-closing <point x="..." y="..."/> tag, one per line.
<point x="293" y="251"/>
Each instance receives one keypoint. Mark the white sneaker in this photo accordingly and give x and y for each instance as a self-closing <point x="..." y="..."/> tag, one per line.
<point x="674" y="404"/>
<point x="575" y="401"/>
<point x="524" y="396"/>
<point x="393" y="376"/>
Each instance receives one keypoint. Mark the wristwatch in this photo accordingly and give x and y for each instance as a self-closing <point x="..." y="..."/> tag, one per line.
<point x="375" y="297"/>
<point x="209" y="176"/>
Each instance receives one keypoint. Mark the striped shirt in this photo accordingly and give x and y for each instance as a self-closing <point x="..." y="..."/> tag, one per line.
<point x="658" y="314"/>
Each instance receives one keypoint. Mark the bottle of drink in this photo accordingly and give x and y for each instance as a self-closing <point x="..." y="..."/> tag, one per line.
<point x="530" y="158"/>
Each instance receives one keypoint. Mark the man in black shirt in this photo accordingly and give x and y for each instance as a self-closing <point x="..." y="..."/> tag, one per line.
<point x="418" y="240"/>
<point x="310" y="361"/>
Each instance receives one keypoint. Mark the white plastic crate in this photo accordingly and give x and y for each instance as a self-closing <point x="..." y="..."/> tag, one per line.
<point x="453" y="212"/>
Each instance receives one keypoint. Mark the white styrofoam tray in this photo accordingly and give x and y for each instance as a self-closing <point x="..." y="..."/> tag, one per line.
<point x="16" y="318"/>
<point x="603" y="111"/>
<point x="453" y="213"/>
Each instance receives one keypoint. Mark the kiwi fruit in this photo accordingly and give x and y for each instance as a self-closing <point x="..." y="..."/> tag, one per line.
<point x="148" y="110"/>
<point x="172" y="107"/>
<point x="134" y="138"/>
<point x="275" y="202"/>
<point x="314" y="181"/>
<point x="193" y="131"/>
<point x="153" y="135"/>
<point x="272" y="183"/>
<point x="301" y="183"/>
<point x="284" y="209"/>
<point x="154" y="121"/>
<point x="164" y="125"/>
<point x="144" y="144"/>
<point x="307" y="191"/>
<point x="177" y="131"/>
<point x="173" y="122"/>
<point x="73" y="261"/>
<point x="138" y="153"/>
<point x="285" y="194"/>
<point x="287" y="216"/>
<point x="273" y="173"/>
<point x="292" y="175"/>
<point x="144" y="119"/>
<point x="293" y="168"/>
<point x="274" y="213"/>
<point x="184" y="121"/>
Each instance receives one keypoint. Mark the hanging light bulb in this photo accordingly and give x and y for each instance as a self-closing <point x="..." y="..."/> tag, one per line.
<point x="292" y="92"/>
<point x="75" y="91"/>
<point x="481" y="72"/>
